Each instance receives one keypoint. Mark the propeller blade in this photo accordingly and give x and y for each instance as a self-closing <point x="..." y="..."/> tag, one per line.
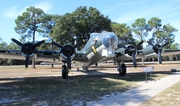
<point x="120" y="45"/>
<point x="78" y="44"/>
<point x="17" y="42"/>
<point x="27" y="60"/>
<point x="167" y="42"/>
<point x="150" y="43"/>
<point x="139" y="44"/>
<point x="134" y="60"/>
<point x="58" y="45"/>
<point x="38" y="44"/>
<point x="69" y="62"/>
<point x="159" y="56"/>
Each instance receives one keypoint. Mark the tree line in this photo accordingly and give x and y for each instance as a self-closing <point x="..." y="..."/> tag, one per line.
<point x="81" y="23"/>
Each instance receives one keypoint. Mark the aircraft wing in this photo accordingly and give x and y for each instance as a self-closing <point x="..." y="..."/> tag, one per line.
<point x="47" y="55"/>
<point x="170" y="52"/>
<point x="11" y="54"/>
<point x="40" y="55"/>
<point x="148" y="53"/>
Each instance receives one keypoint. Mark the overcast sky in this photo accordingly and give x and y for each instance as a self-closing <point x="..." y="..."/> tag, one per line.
<point x="121" y="11"/>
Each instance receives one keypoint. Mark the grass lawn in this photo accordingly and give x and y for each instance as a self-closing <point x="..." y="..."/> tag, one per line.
<point x="169" y="97"/>
<point x="65" y="92"/>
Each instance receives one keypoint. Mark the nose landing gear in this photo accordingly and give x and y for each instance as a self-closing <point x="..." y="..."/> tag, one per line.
<point x="65" y="72"/>
<point x="121" y="68"/>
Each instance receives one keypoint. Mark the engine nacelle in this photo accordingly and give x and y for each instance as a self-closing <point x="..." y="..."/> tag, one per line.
<point x="27" y="50"/>
<point x="67" y="51"/>
<point x="130" y="50"/>
<point x="156" y="47"/>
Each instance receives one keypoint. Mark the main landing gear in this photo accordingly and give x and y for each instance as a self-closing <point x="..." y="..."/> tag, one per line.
<point x="65" y="72"/>
<point x="121" y="68"/>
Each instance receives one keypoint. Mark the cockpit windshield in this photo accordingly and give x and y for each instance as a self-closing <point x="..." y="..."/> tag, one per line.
<point x="110" y="40"/>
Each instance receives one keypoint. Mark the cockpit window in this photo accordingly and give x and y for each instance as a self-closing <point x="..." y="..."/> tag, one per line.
<point x="110" y="40"/>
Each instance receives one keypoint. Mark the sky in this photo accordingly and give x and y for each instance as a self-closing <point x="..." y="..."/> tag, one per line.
<point x="120" y="11"/>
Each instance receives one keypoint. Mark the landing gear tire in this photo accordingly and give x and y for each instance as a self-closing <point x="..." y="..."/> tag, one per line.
<point x="122" y="70"/>
<point x="64" y="72"/>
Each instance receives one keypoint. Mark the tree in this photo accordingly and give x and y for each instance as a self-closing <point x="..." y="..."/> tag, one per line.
<point x="172" y="46"/>
<point x="62" y="31"/>
<point x="161" y="33"/>
<point x="3" y="46"/>
<point x="13" y="46"/>
<point x="123" y="32"/>
<point x="48" y="21"/>
<point x="31" y="21"/>
<point x="140" y="28"/>
<point x="79" y="23"/>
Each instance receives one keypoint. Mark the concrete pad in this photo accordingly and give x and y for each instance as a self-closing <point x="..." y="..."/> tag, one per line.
<point x="139" y="95"/>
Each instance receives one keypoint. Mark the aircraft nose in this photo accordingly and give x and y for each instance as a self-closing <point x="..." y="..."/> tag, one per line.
<point x="110" y="40"/>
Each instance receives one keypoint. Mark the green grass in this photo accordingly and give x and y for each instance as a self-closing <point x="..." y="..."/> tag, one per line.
<point x="57" y="91"/>
<point x="169" y="97"/>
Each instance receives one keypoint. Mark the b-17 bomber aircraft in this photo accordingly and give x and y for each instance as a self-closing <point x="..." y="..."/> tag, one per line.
<point x="99" y="47"/>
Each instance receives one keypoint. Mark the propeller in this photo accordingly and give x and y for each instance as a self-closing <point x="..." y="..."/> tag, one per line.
<point x="131" y="50"/>
<point x="139" y="44"/>
<point x="27" y="49"/>
<point x="158" y="49"/>
<point x="68" y="51"/>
